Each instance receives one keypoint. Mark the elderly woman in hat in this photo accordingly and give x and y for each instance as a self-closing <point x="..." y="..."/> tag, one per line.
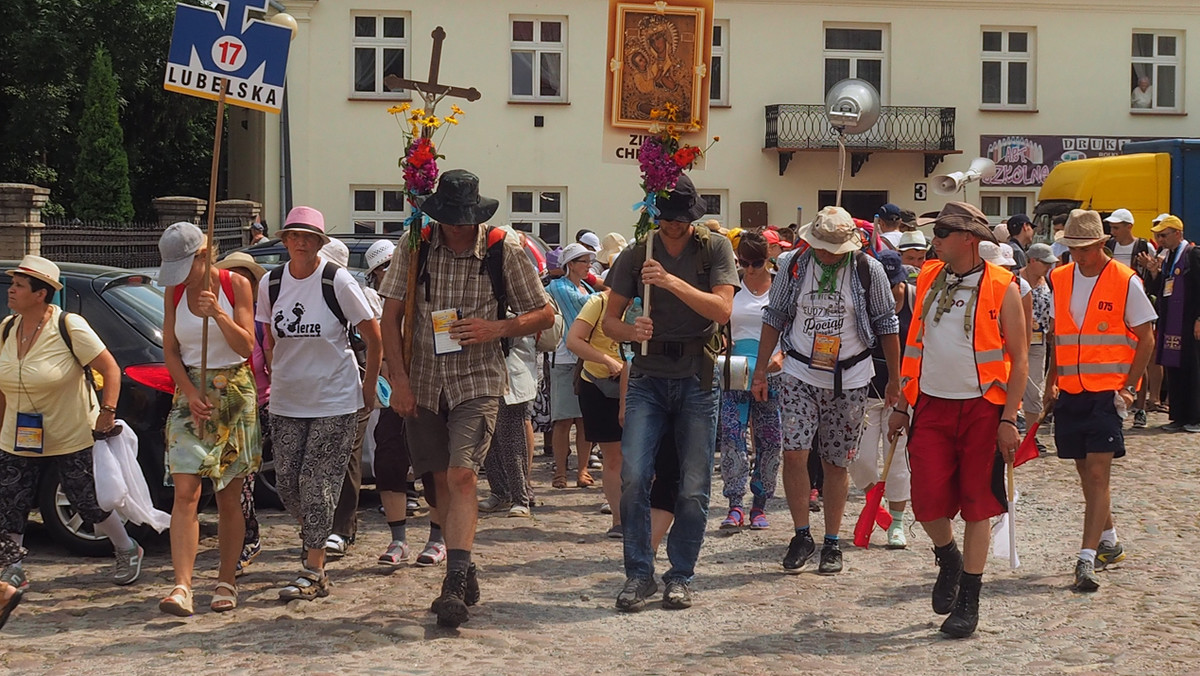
<point x="316" y="390"/>
<point x="51" y="416"/>
<point x="212" y="430"/>
<point x="570" y="292"/>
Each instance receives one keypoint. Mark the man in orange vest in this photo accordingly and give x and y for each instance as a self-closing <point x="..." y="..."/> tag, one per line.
<point x="1103" y="340"/>
<point x="964" y="403"/>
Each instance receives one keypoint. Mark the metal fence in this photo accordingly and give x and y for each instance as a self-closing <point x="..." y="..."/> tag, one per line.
<point x="123" y="245"/>
<point x="798" y="126"/>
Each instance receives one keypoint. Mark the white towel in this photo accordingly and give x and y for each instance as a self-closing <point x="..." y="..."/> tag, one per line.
<point x="120" y="485"/>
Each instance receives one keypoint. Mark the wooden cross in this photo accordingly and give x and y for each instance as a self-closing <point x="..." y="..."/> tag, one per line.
<point x="432" y="91"/>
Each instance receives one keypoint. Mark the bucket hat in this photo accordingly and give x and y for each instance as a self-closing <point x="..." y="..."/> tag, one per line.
<point x="457" y="200"/>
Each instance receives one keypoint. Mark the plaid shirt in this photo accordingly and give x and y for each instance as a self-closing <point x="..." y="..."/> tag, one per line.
<point x="460" y="281"/>
<point x="878" y="317"/>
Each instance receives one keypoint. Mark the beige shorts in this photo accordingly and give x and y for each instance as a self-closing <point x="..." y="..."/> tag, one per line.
<point x="452" y="437"/>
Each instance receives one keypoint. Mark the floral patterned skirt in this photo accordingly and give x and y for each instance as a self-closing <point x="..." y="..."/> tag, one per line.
<point x="229" y="445"/>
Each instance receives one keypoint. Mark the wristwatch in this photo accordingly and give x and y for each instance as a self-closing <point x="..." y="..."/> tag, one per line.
<point x="1130" y="389"/>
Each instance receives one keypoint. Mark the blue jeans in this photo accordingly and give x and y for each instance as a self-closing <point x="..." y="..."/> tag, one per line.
<point x="651" y="405"/>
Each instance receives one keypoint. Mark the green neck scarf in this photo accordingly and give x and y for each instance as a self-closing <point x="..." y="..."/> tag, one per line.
<point x="827" y="281"/>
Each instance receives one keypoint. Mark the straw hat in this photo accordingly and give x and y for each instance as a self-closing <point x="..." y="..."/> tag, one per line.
<point x="1083" y="229"/>
<point x="241" y="259"/>
<point x="612" y="244"/>
<point x="40" y="269"/>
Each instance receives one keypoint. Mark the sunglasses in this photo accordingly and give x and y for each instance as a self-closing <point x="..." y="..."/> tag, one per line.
<point x="942" y="232"/>
<point x="751" y="264"/>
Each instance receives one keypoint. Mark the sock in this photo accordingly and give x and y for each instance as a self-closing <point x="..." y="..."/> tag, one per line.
<point x="398" y="530"/>
<point x="115" y="530"/>
<point x="1088" y="555"/>
<point x="1109" y="536"/>
<point x="435" y="533"/>
<point x="831" y="541"/>
<point x="897" y="518"/>
<point x="458" y="559"/>
<point x="803" y="531"/>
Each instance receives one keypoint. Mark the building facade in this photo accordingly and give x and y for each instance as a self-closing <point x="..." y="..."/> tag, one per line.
<point x="1027" y="84"/>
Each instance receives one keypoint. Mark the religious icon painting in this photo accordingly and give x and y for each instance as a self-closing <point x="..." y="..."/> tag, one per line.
<point x="659" y="57"/>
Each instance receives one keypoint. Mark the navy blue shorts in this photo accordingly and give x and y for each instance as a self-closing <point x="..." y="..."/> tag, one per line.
<point x="1087" y="423"/>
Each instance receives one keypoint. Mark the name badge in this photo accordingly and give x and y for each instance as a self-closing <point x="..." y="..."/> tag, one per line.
<point x="1039" y="337"/>
<point x="442" y="342"/>
<point x="1169" y="285"/>
<point x="825" y="351"/>
<point x="29" y="433"/>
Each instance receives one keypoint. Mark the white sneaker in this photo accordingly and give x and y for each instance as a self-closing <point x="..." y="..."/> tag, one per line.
<point x="519" y="511"/>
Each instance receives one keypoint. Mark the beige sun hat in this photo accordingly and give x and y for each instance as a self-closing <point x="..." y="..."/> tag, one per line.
<point x="612" y="244"/>
<point x="41" y="269"/>
<point x="833" y="230"/>
<point x="241" y="259"/>
<point x="1083" y="229"/>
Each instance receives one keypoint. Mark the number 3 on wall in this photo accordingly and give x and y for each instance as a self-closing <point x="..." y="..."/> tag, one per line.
<point x="920" y="191"/>
<point x="229" y="53"/>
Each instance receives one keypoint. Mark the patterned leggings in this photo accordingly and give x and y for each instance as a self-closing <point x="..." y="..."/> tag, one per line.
<point x="264" y="426"/>
<point x="507" y="461"/>
<point x="310" y="465"/>
<point x="19" y="479"/>
<point x="737" y="409"/>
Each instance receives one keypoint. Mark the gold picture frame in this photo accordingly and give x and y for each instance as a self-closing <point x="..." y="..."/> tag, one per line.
<point x="659" y="57"/>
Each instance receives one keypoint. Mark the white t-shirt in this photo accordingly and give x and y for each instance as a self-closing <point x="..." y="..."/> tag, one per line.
<point x="1138" y="309"/>
<point x="1123" y="253"/>
<point x="948" y="364"/>
<point x="746" y="320"/>
<point x="189" y="329"/>
<point x="1025" y="288"/>
<point x="831" y="314"/>
<point x="313" y="372"/>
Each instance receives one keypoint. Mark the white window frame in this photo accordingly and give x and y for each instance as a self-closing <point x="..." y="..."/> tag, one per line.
<point x="1005" y="58"/>
<point x="378" y="216"/>
<point x="721" y="51"/>
<point x="379" y="43"/>
<point x="722" y="216"/>
<point x="855" y="55"/>
<point x="538" y="48"/>
<point x="537" y="217"/>
<point x="1154" y="62"/>
<point x="1003" y="195"/>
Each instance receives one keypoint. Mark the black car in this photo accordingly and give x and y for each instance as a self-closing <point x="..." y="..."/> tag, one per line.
<point x="126" y="311"/>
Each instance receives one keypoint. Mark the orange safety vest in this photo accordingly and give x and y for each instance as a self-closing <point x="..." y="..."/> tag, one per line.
<point x="991" y="360"/>
<point x="1097" y="356"/>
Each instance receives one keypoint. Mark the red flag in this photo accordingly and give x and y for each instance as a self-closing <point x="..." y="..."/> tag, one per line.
<point x="1028" y="449"/>
<point x="873" y="510"/>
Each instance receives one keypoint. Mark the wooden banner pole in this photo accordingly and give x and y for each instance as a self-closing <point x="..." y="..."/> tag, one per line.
<point x="212" y="217"/>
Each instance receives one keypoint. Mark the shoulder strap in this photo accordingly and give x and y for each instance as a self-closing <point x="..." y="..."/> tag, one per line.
<point x="327" y="275"/>
<point x="66" y="336"/>
<point x="493" y="262"/>
<point x="704" y="260"/>
<point x="8" y="325"/>
<point x="1111" y="244"/>
<point x="227" y="285"/>
<point x="177" y="293"/>
<point x="274" y="278"/>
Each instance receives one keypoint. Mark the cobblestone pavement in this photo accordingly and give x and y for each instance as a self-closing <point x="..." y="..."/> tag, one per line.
<point x="549" y="584"/>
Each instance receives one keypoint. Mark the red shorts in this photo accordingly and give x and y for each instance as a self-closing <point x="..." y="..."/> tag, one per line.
<point x="953" y="456"/>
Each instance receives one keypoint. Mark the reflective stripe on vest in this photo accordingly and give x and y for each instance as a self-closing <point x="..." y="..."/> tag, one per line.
<point x="1097" y="356"/>
<point x="991" y="360"/>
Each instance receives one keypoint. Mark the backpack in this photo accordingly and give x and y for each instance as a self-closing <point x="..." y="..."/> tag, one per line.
<point x="547" y="340"/>
<point x="328" y="273"/>
<point x="93" y="379"/>
<point x="703" y="261"/>
<point x="493" y="265"/>
<point x="861" y="265"/>
<point x="226" y="288"/>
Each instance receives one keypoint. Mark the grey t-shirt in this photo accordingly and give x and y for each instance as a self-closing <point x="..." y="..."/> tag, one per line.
<point x="674" y="321"/>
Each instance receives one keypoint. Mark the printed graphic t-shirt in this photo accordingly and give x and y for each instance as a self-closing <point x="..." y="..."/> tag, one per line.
<point x="830" y="314"/>
<point x="313" y="372"/>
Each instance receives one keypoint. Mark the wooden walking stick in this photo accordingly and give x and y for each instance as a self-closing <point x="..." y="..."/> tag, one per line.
<point x="212" y="217"/>
<point x="646" y="291"/>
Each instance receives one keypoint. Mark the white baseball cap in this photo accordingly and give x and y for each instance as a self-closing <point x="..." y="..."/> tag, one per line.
<point x="998" y="254"/>
<point x="591" y="240"/>
<point x="378" y="253"/>
<point x="1159" y="218"/>
<point x="1120" y="216"/>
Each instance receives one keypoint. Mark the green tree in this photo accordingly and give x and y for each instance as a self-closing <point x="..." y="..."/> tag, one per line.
<point x="102" y="168"/>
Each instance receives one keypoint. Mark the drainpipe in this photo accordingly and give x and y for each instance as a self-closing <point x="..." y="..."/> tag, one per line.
<point x="285" y="144"/>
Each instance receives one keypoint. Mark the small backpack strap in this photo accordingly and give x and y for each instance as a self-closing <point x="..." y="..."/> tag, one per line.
<point x="177" y="293"/>
<point x="327" y="276"/>
<point x="227" y="285"/>
<point x="274" y="278"/>
<point x="9" y="321"/>
<point x="66" y="336"/>
<point x="493" y="261"/>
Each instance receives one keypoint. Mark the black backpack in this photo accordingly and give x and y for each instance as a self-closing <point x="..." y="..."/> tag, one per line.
<point x="357" y="344"/>
<point x="492" y="265"/>
<point x="88" y="374"/>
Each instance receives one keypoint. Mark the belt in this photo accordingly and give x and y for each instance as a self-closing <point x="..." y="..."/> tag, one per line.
<point x="837" y="370"/>
<point x="677" y="349"/>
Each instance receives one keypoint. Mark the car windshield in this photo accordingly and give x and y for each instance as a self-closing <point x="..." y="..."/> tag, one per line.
<point x="140" y="303"/>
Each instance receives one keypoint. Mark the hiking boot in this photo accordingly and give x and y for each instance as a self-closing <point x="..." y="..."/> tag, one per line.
<point x="799" y="551"/>
<point x="1107" y="554"/>
<point x="965" y="618"/>
<point x="128" y="565"/>
<point x="831" y="560"/>
<point x="677" y="595"/>
<point x="945" y="588"/>
<point x="1085" y="576"/>
<point x="471" y="596"/>
<point x="1139" y="419"/>
<point x="451" y="606"/>
<point x="634" y="594"/>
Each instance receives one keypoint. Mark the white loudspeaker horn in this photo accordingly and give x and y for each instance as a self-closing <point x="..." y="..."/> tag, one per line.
<point x="948" y="184"/>
<point x="982" y="168"/>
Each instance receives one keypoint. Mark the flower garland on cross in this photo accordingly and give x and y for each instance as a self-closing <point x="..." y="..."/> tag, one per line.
<point x="663" y="159"/>
<point x="419" y="161"/>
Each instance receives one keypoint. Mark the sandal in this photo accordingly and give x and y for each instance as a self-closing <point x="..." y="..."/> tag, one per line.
<point x="396" y="554"/>
<point x="560" y="481"/>
<point x="735" y="519"/>
<point x="336" y="546"/>
<point x="10" y="605"/>
<point x="178" y="602"/>
<point x="308" y="585"/>
<point x="585" y="480"/>
<point x="222" y="603"/>
<point x="758" y="519"/>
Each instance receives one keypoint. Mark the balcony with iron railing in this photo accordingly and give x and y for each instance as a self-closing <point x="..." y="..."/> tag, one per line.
<point x="797" y="127"/>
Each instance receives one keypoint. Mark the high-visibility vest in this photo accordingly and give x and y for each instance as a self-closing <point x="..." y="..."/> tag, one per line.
<point x="1095" y="357"/>
<point x="991" y="360"/>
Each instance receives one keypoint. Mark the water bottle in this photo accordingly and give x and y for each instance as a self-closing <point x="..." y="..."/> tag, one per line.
<point x="634" y="311"/>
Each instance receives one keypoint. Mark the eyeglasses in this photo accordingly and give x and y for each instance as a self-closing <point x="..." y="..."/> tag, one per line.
<point x="751" y="264"/>
<point x="942" y="232"/>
